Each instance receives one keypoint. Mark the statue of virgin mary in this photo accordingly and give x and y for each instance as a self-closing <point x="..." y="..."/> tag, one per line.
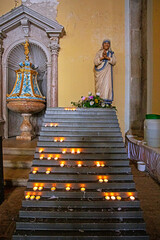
<point x="104" y="62"/>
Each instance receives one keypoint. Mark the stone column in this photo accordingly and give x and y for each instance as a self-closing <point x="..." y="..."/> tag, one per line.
<point x="54" y="46"/>
<point x="1" y="97"/>
<point x="49" y="76"/>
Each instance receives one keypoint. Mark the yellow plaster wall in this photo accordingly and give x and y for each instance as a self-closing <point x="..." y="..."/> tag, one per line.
<point x="7" y="5"/>
<point x="156" y="58"/>
<point x="87" y="23"/>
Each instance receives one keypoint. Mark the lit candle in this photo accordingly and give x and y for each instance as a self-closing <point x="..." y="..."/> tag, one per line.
<point x="56" y="158"/>
<point x="83" y="189"/>
<point x="132" y="198"/>
<point x="49" y="157"/>
<point x="55" y="140"/>
<point x="27" y="197"/>
<point x="100" y="180"/>
<point x="78" y="151"/>
<point x="119" y="198"/>
<point x="56" y="125"/>
<point x="41" y="157"/>
<point x="51" y="124"/>
<point x="64" y="151"/>
<point x="61" y="139"/>
<point x="34" y="171"/>
<point x="35" y="188"/>
<point x="105" y="180"/>
<point x="98" y="164"/>
<point x="53" y="188"/>
<point x="73" y="151"/>
<point x="62" y="164"/>
<point x="113" y="197"/>
<point x="79" y="165"/>
<point x="32" y="197"/>
<point x="48" y="172"/>
<point x="41" y="150"/>
<point x="68" y="188"/>
<point x="107" y="197"/>
<point x="40" y="188"/>
<point x="102" y="165"/>
<point x="38" y="197"/>
<point x="46" y="125"/>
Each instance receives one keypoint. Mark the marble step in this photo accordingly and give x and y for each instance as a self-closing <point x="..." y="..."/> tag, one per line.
<point x="79" y="144"/>
<point x="82" y="235"/>
<point x="106" y="224"/>
<point x="80" y="203"/>
<point x="87" y="125"/>
<point x="80" y="129"/>
<point x="78" y="177"/>
<point x="83" y="156"/>
<point x="80" y="134"/>
<point x="71" y="165"/>
<point x="72" y="168"/>
<point x="85" y="150"/>
<point x="64" y="119"/>
<point x="84" y="139"/>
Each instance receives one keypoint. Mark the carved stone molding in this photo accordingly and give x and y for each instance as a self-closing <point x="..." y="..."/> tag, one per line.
<point x="25" y="26"/>
<point x="54" y="46"/>
<point x="45" y="33"/>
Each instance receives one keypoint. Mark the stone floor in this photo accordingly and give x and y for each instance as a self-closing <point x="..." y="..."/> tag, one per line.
<point x="148" y="192"/>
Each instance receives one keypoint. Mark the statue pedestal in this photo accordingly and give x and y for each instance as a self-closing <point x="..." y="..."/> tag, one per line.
<point x="26" y="128"/>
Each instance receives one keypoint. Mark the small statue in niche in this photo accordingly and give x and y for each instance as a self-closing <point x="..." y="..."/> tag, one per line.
<point x="104" y="62"/>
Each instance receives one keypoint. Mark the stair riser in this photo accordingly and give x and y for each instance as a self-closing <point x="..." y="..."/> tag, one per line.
<point x="83" y="125"/>
<point x="81" y="120"/>
<point x="22" y="237"/>
<point x="80" y="133"/>
<point x="98" y="170"/>
<point x="78" y="178"/>
<point x="80" y="129"/>
<point x="73" y="163"/>
<point x="86" y="139"/>
<point x="78" y="195"/>
<point x="83" y="156"/>
<point x="82" y="204"/>
<point x="77" y="226"/>
<point x="83" y="150"/>
<point x="107" y="186"/>
<point x="79" y="144"/>
<point x="81" y="215"/>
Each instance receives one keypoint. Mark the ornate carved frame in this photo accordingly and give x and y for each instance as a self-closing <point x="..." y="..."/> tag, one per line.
<point x="15" y="27"/>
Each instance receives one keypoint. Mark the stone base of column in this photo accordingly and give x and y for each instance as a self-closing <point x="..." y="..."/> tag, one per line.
<point x="26" y="128"/>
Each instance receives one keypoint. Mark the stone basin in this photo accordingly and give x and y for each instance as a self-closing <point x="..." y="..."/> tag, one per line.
<point x="25" y="106"/>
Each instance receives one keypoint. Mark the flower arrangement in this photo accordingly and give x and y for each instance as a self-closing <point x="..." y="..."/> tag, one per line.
<point x="92" y="101"/>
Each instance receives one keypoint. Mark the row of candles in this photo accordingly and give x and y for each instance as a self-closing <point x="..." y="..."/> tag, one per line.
<point x="62" y="164"/>
<point x="113" y="198"/>
<point x="72" y="151"/>
<point x="51" y="125"/>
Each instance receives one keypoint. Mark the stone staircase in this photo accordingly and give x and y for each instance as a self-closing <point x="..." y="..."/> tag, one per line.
<point x="80" y="185"/>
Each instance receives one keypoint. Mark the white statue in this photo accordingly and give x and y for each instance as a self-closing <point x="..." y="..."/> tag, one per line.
<point x="104" y="62"/>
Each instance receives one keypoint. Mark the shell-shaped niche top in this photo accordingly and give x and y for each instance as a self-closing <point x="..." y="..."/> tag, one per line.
<point x="26" y="86"/>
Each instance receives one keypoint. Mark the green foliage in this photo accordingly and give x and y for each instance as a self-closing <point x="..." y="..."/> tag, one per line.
<point x="92" y="101"/>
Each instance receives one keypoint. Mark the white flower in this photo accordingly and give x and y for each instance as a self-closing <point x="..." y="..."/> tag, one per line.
<point x="91" y="103"/>
<point x="103" y="104"/>
<point x="89" y="93"/>
<point x="98" y="94"/>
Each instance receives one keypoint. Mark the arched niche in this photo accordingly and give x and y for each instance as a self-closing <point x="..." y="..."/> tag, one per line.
<point x="43" y="35"/>
<point x="39" y="59"/>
